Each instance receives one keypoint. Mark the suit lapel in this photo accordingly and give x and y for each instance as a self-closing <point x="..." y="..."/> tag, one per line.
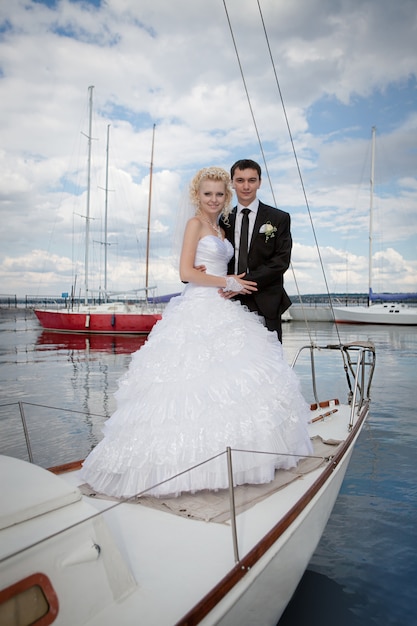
<point x="260" y="219"/>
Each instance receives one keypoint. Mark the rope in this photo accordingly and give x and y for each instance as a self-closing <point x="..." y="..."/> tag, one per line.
<point x="296" y="161"/>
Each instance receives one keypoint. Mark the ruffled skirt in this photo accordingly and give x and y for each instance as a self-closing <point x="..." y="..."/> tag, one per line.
<point x="209" y="377"/>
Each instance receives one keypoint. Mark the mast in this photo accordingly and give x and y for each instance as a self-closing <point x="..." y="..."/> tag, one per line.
<point x="87" y="217"/>
<point x="371" y="210"/>
<point x="105" y="213"/>
<point x="148" y="235"/>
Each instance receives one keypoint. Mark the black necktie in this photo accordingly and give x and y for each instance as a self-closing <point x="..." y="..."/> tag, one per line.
<point x="242" y="264"/>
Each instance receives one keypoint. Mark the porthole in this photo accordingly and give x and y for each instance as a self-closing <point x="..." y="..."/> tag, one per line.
<point x="29" y="602"/>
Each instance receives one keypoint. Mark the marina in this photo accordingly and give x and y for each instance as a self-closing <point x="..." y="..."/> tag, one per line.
<point x="320" y="533"/>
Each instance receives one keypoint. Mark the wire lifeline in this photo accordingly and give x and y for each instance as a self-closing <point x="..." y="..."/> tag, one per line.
<point x="295" y="157"/>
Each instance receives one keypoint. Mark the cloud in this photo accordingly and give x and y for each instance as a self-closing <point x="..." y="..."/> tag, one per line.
<point x="341" y="68"/>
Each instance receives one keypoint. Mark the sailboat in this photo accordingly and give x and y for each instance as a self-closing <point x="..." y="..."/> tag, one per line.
<point x="69" y="555"/>
<point x="386" y="312"/>
<point x="109" y="316"/>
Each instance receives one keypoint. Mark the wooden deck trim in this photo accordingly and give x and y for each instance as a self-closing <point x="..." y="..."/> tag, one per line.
<point x="66" y="467"/>
<point x="208" y="602"/>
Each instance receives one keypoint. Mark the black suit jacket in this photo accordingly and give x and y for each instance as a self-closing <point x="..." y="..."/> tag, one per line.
<point x="268" y="260"/>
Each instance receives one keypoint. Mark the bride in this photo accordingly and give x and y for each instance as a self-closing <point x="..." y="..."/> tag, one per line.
<point x="210" y="376"/>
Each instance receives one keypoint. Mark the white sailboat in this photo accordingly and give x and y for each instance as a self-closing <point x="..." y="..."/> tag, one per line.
<point x="379" y="313"/>
<point x="71" y="556"/>
<point x="310" y="312"/>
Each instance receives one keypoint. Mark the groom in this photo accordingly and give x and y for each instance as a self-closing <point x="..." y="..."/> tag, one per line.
<point x="262" y="242"/>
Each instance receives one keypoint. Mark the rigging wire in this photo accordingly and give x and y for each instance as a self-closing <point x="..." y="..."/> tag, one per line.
<point x="293" y="149"/>
<point x="249" y="101"/>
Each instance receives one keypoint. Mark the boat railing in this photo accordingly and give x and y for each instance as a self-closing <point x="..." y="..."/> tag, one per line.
<point x="359" y="366"/>
<point x="358" y="361"/>
<point x="113" y="503"/>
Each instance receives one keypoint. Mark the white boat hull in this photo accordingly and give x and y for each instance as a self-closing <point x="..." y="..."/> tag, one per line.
<point x="147" y="554"/>
<point x="311" y="313"/>
<point x="124" y="578"/>
<point x="393" y="314"/>
<point x="276" y="576"/>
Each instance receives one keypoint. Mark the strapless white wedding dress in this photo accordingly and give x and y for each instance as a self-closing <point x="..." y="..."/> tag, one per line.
<point x="210" y="376"/>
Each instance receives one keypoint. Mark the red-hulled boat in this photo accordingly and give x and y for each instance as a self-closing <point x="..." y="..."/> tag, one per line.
<point x="103" y="318"/>
<point x="110" y="316"/>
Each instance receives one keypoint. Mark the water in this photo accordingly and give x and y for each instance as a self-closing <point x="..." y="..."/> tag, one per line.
<point x="364" y="570"/>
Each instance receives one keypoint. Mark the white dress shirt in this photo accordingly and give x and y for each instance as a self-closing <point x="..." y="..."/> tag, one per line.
<point x="253" y="206"/>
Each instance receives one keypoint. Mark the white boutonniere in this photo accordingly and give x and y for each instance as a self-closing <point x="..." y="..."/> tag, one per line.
<point x="268" y="230"/>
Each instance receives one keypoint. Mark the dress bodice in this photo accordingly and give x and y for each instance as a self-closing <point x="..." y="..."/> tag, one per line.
<point x="215" y="254"/>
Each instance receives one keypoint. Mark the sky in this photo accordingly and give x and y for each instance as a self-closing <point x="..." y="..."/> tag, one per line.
<point x="217" y="81"/>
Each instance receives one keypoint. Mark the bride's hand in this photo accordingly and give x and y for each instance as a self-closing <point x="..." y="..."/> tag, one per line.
<point x="235" y="284"/>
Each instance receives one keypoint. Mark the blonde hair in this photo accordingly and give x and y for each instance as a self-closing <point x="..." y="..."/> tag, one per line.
<point x="216" y="174"/>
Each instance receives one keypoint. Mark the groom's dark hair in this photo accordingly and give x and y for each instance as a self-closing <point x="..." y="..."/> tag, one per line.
<point x="245" y="164"/>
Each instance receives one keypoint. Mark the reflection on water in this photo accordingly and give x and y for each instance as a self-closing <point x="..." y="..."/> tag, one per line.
<point x="66" y="383"/>
<point x="116" y="344"/>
